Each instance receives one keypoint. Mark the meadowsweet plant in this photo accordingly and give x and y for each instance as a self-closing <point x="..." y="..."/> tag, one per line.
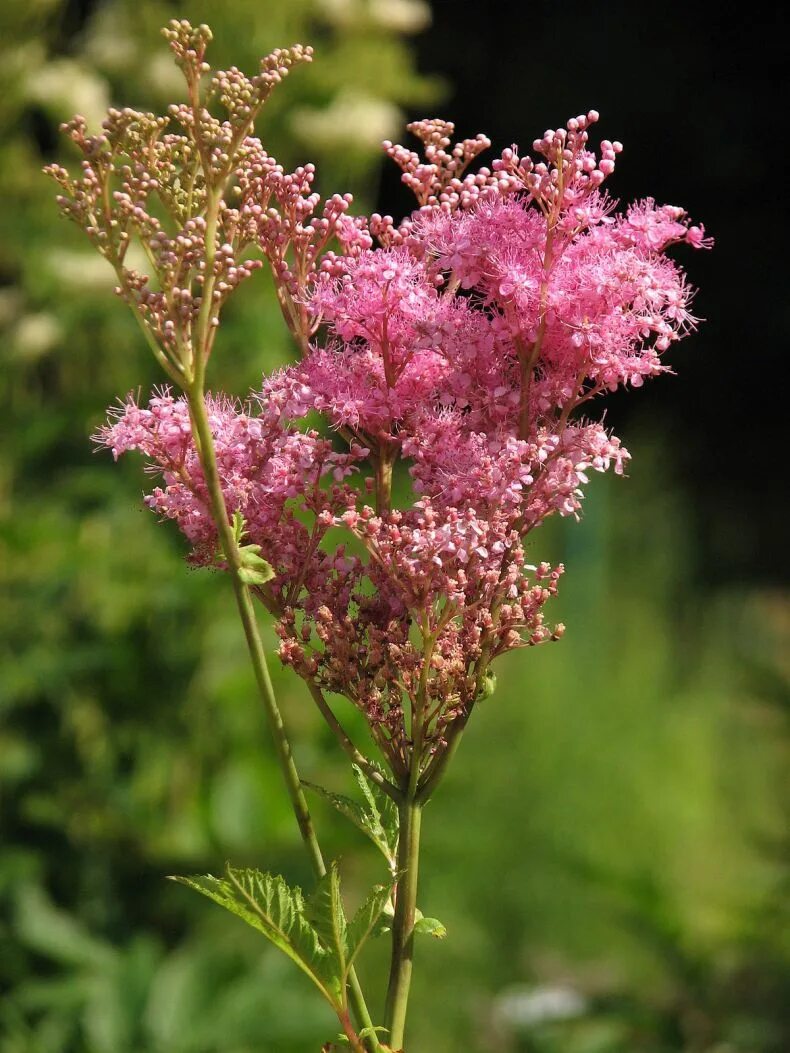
<point x="463" y="349"/>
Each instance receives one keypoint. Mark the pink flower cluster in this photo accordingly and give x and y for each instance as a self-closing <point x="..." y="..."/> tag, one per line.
<point x="272" y="474"/>
<point x="463" y="344"/>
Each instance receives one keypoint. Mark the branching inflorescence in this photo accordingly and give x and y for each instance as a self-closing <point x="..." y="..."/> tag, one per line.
<point x="464" y="345"/>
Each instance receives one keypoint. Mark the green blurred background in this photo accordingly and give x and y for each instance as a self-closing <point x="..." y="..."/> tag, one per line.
<point x="611" y="854"/>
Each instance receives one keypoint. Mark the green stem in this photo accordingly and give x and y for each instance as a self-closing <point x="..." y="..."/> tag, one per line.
<point x="403" y="922"/>
<point x="208" y="460"/>
<point x="438" y="766"/>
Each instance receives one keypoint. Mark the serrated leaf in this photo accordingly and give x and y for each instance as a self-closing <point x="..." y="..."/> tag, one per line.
<point x="382" y="809"/>
<point x="364" y="922"/>
<point x="269" y="905"/>
<point x="422" y="926"/>
<point x="385" y="810"/>
<point x="254" y="570"/>
<point x="253" y="577"/>
<point x="377" y="818"/>
<point x="359" y="816"/>
<point x="237" y="522"/>
<point x="325" y="912"/>
<point x="250" y="556"/>
<point x="430" y="927"/>
<point x="385" y="920"/>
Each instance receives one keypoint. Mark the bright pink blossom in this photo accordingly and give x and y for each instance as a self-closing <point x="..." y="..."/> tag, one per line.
<point x="466" y="342"/>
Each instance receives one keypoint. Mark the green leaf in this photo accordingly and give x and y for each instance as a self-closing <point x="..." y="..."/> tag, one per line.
<point x="422" y="926"/>
<point x="351" y="810"/>
<point x="238" y="525"/>
<point x="488" y="687"/>
<point x="325" y="912"/>
<point x="377" y="818"/>
<point x="367" y="1032"/>
<point x="254" y="570"/>
<point x="365" y="921"/>
<point x="430" y="927"/>
<point x="385" y="921"/>
<point x="269" y="905"/>
<point x="56" y="934"/>
<point x="381" y="807"/>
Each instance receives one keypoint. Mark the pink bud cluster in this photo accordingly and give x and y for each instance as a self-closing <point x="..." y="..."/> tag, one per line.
<point x="279" y="214"/>
<point x="166" y="183"/>
<point x="439" y="178"/>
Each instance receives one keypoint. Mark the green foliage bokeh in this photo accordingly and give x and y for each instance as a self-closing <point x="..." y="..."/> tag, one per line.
<point x="616" y="824"/>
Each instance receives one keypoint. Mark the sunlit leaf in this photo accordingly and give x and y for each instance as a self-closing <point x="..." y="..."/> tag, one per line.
<point x="363" y="925"/>
<point x="324" y="910"/>
<point x="377" y="818"/>
<point x="430" y="927"/>
<point x="278" y="911"/>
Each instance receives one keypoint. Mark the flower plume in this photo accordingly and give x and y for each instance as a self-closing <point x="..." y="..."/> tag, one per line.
<point x="465" y="346"/>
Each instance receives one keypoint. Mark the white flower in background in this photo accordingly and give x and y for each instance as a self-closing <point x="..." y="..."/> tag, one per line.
<point x="404" y="16"/>
<point x="521" y="1008"/>
<point x="164" y="77"/>
<point x="65" y="87"/>
<point x="401" y="16"/>
<point x="80" y="270"/>
<point x="112" y="43"/>
<point x="113" y="46"/>
<point x="87" y="271"/>
<point x="36" y="334"/>
<point x="340" y="12"/>
<point x="351" y="119"/>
